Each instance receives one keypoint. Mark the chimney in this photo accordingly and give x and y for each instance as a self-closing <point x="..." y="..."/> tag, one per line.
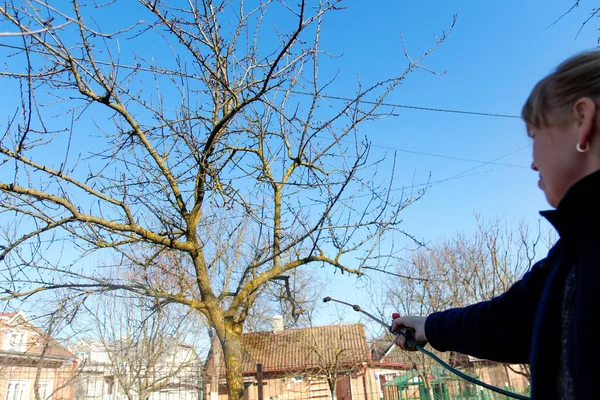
<point x="277" y="324"/>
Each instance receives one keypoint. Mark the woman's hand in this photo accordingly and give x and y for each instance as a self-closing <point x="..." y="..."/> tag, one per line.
<point x="415" y="327"/>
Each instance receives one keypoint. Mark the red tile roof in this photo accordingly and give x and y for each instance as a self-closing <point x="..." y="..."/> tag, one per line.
<point x="7" y="314"/>
<point x="37" y="341"/>
<point x="297" y="350"/>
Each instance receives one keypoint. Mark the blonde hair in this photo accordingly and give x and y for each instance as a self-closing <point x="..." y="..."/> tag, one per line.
<point x="577" y="77"/>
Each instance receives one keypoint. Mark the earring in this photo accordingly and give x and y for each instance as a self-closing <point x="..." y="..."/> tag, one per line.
<point x="579" y="149"/>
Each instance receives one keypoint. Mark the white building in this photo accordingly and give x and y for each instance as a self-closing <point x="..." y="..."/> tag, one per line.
<point x="125" y="372"/>
<point x="33" y="365"/>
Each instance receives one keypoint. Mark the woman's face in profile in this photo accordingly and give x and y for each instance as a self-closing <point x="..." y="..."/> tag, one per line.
<point x="556" y="159"/>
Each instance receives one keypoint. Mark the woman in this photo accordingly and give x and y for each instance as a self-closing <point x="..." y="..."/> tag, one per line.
<point x="548" y="318"/>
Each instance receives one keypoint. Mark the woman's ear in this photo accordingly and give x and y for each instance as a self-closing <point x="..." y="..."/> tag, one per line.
<point x="584" y="112"/>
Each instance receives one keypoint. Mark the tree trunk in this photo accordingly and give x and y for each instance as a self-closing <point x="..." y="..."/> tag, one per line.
<point x="424" y="375"/>
<point x="216" y="360"/>
<point x="331" y="383"/>
<point x="232" y="349"/>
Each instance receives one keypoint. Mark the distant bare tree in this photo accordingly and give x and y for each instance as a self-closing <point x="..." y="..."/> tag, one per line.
<point x="293" y="296"/>
<point x="463" y="270"/>
<point x="333" y="357"/>
<point x="141" y="348"/>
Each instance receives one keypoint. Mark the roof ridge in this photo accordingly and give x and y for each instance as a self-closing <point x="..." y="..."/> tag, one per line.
<point x="306" y="328"/>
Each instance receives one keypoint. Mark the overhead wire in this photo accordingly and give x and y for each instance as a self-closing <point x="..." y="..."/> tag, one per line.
<point x="341" y="98"/>
<point x="454" y="158"/>
<point x="430" y="184"/>
<point x="408" y="106"/>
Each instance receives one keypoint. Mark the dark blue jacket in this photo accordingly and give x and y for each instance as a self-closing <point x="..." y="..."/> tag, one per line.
<point x="523" y="324"/>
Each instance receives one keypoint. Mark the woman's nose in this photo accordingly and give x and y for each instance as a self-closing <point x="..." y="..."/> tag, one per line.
<point x="533" y="166"/>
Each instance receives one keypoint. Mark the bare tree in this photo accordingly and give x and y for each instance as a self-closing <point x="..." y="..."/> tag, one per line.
<point x="333" y="355"/>
<point x="463" y="270"/>
<point x="294" y="296"/>
<point x="141" y="350"/>
<point x="213" y="147"/>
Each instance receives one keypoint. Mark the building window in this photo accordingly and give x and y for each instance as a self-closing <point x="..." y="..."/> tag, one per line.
<point x="14" y="340"/>
<point x="45" y="390"/>
<point x="90" y="390"/>
<point x="109" y="385"/>
<point x="84" y="356"/>
<point x="17" y="390"/>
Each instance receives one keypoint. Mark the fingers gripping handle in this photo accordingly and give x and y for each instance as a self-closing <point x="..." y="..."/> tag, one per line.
<point x="411" y="343"/>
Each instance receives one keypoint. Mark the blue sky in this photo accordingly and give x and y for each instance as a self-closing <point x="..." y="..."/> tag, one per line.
<point x="495" y="54"/>
<point x="493" y="57"/>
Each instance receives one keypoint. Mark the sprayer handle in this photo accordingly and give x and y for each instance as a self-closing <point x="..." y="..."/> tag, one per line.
<point x="411" y="343"/>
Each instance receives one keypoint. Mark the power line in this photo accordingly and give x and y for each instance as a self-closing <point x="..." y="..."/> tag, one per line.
<point x="456" y="176"/>
<point x="332" y="97"/>
<point x="491" y="162"/>
<point x="437" y="155"/>
<point x="421" y="153"/>
<point x="430" y="184"/>
<point x="444" y="110"/>
<point x="464" y="173"/>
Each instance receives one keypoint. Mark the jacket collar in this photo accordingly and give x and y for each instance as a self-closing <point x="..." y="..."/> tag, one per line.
<point x="577" y="217"/>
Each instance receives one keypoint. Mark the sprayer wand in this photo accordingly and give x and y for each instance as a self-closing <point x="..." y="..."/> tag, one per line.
<point x="412" y="344"/>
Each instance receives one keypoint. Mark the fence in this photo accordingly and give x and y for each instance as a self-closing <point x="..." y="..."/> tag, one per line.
<point x="368" y="384"/>
<point x="446" y="389"/>
<point x="439" y="384"/>
<point x="62" y="381"/>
